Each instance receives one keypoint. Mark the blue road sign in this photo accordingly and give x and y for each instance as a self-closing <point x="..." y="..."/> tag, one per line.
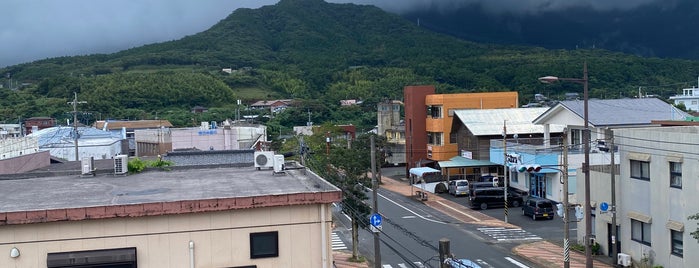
<point x="375" y="220"/>
<point x="604" y="206"/>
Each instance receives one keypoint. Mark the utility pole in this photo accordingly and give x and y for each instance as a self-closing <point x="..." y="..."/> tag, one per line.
<point x="444" y="252"/>
<point x="566" y="214"/>
<point x="506" y="170"/>
<point x="375" y="208"/>
<point x="75" y="103"/>
<point x="612" y="170"/>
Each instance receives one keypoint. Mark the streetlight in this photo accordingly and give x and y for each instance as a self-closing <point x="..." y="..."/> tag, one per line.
<point x="586" y="164"/>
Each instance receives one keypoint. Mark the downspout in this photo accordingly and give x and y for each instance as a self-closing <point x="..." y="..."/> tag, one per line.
<point x="191" y="254"/>
<point x="323" y="237"/>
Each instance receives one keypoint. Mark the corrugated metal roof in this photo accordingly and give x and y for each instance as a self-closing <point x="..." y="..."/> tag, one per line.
<point x="54" y="136"/>
<point x="488" y="122"/>
<point x="624" y="111"/>
<point x="460" y="161"/>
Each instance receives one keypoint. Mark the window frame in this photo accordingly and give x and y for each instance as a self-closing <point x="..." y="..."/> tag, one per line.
<point x="265" y="236"/>
<point x="674" y="250"/>
<point x="675" y="175"/>
<point x="639" y="174"/>
<point x="645" y="232"/>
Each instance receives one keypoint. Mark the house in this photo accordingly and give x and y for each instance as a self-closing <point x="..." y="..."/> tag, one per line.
<point x="655" y="192"/>
<point x="10" y="130"/>
<point x="128" y="128"/>
<point x="92" y="142"/>
<point x="689" y="98"/>
<point x="272" y="105"/>
<point x="428" y="120"/>
<point x="38" y="123"/>
<point x="199" y="109"/>
<point x="203" y="216"/>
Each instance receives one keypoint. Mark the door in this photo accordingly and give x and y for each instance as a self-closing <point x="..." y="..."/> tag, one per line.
<point x="609" y="240"/>
<point x="537" y="185"/>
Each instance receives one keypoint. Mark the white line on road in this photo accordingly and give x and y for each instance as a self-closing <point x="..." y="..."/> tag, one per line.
<point x="394" y="202"/>
<point x="458" y="211"/>
<point x="515" y="262"/>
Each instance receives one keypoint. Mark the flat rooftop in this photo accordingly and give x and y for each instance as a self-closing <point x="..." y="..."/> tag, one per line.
<point x="158" y="193"/>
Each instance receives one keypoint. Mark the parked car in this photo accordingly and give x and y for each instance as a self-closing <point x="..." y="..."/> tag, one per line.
<point x="486" y="197"/>
<point x="538" y="208"/>
<point x="458" y="187"/>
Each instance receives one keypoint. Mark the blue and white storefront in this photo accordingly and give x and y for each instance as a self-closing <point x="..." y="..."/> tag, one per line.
<point x="539" y="173"/>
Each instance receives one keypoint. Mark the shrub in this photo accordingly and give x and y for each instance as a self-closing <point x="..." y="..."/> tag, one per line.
<point x="136" y="165"/>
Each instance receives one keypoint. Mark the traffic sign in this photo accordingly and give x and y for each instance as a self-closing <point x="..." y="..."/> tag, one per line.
<point x="604" y="206"/>
<point x="375" y="220"/>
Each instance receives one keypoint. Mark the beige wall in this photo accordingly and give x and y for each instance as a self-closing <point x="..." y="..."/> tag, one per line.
<point x="221" y="238"/>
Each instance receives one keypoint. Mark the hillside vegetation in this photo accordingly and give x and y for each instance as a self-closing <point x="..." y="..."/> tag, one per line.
<point x="319" y="53"/>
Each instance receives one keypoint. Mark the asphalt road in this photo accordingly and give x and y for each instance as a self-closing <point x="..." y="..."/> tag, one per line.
<point x="411" y="232"/>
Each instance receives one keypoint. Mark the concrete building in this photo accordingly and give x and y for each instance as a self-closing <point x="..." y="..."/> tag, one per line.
<point x="128" y="128"/>
<point x="38" y="123"/>
<point x="10" y="131"/>
<point x="655" y="192"/>
<point x="393" y="128"/>
<point x="18" y="155"/>
<point x="689" y="98"/>
<point x="210" y="137"/>
<point x="207" y="217"/>
<point x="428" y="120"/>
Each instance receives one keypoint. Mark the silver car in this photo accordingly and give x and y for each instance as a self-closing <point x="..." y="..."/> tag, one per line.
<point x="458" y="187"/>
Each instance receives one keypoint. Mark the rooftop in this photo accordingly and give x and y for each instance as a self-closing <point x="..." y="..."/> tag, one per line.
<point x="157" y="193"/>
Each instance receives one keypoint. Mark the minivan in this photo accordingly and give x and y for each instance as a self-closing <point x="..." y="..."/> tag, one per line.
<point x="538" y="208"/>
<point x="458" y="187"/>
<point x="486" y="197"/>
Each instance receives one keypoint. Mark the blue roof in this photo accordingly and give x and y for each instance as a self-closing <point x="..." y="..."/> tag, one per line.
<point x="64" y="134"/>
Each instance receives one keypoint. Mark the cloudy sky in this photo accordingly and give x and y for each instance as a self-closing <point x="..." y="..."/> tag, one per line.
<point x="38" y="29"/>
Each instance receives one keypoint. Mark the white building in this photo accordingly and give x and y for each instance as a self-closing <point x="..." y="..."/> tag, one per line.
<point x="92" y="142"/>
<point x="689" y="97"/>
<point x="656" y="191"/>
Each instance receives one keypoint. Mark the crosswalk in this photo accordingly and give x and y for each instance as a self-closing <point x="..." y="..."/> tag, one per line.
<point x="403" y="265"/>
<point x="337" y="242"/>
<point x="508" y="234"/>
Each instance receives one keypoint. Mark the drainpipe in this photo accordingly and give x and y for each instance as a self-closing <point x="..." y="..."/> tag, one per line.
<point x="191" y="254"/>
<point x="323" y="237"/>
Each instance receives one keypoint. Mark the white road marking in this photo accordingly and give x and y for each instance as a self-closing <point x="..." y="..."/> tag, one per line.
<point x="515" y="262"/>
<point x="401" y="206"/>
<point x="459" y="211"/>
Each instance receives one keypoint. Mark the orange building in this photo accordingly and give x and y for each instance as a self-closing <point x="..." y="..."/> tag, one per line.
<point x="437" y="113"/>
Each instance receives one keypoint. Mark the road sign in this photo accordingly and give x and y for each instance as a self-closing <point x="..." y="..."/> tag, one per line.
<point x="604" y="206"/>
<point x="375" y="220"/>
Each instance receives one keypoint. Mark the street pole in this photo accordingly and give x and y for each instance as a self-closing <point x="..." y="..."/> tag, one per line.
<point x="504" y="146"/>
<point x="566" y="214"/>
<point x="444" y="252"/>
<point x="586" y="169"/>
<point x="75" y="103"/>
<point x="375" y="208"/>
<point x="613" y="182"/>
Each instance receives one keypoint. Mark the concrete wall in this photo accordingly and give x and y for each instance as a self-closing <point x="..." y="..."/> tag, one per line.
<point x="225" y="157"/>
<point x="25" y="163"/>
<point x="221" y="239"/>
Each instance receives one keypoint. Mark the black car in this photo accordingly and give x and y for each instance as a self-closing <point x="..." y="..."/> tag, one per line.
<point x="538" y="208"/>
<point x="487" y="197"/>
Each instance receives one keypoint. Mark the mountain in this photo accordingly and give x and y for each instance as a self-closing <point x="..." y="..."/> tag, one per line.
<point x="317" y="52"/>
<point x="664" y="29"/>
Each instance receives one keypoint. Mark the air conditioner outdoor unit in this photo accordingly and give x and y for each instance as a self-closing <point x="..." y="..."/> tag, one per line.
<point x="623" y="260"/>
<point x="88" y="164"/>
<point x="264" y="159"/>
<point x="121" y="164"/>
<point x="278" y="163"/>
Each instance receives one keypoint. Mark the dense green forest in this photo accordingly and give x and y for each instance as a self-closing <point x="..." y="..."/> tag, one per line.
<point x="318" y="53"/>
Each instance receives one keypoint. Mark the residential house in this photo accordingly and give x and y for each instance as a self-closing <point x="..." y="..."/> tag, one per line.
<point x="199" y="109"/>
<point x="10" y="130"/>
<point x="38" y="123"/>
<point x="274" y="106"/>
<point x="689" y="98"/>
<point x="195" y="217"/>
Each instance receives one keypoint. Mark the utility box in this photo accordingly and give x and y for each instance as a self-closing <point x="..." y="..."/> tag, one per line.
<point x="623" y="259"/>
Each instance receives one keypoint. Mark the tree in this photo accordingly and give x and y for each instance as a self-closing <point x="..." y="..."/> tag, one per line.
<point x="695" y="234"/>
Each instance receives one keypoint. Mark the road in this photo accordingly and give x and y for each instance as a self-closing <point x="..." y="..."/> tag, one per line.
<point x="411" y="232"/>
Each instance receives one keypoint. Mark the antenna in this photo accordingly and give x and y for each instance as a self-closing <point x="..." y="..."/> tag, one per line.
<point x="309" y="123"/>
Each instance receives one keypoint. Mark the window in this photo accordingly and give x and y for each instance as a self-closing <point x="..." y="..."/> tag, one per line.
<point x="676" y="243"/>
<point x="264" y="245"/>
<point x="640" y="170"/>
<point x="514" y="176"/>
<point x="640" y="232"/>
<point x="434" y="138"/>
<point x="434" y="111"/>
<point x="676" y="174"/>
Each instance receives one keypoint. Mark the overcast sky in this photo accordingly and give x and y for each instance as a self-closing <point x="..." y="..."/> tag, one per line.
<point x="38" y="29"/>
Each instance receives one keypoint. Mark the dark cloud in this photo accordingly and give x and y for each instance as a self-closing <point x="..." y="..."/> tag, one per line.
<point x="36" y="29"/>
